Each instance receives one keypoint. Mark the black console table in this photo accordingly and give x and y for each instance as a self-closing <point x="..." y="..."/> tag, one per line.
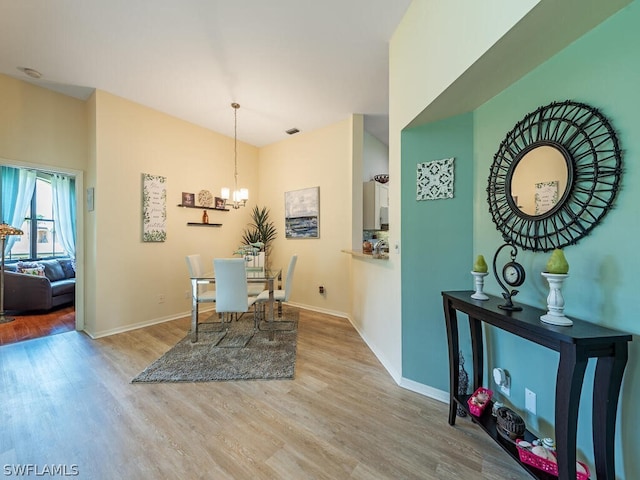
<point x="576" y="345"/>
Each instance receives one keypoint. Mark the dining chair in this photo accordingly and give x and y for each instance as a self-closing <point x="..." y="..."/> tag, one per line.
<point x="196" y="269"/>
<point x="231" y="287"/>
<point x="279" y="295"/>
<point x="204" y="293"/>
<point x="255" y="262"/>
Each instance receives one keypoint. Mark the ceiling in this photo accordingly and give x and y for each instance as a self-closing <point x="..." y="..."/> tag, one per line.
<point x="289" y="63"/>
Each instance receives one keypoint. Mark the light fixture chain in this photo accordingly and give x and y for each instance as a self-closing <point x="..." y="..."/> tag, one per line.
<point x="235" y="144"/>
<point x="239" y="196"/>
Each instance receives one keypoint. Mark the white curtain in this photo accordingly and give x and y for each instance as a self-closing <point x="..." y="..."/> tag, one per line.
<point x="64" y="211"/>
<point x="17" y="189"/>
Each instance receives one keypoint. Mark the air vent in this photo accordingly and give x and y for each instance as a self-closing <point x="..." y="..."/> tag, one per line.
<point x="292" y="131"/>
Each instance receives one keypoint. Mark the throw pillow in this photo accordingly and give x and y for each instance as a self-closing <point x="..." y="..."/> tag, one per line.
<point x="69" y="267"/>
<point x="31" y="268"/>
<point x="22" y="264"/>
<point x="39" y="272"/>
<point x="53" y="270"/>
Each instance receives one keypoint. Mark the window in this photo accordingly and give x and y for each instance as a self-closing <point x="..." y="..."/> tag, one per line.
<point x="40" y="239"/>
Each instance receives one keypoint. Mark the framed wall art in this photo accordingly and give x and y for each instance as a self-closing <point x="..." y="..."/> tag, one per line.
<point x="188" y="199"/>
<point x="435" y="179"/>
<point x="154" y="208"/>
<point x="220" y="203"/>
<point x="302" y="213"/>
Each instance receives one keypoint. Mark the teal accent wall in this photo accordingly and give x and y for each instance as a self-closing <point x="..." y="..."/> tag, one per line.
<point x="437" y="243"/>
<point x="601" y="69"/>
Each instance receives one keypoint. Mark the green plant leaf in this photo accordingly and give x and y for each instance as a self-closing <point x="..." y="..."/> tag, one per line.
<point x="261" y="231"/>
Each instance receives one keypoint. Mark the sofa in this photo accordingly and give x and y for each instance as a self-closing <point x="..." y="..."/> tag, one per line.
<point x="39" y="285"/>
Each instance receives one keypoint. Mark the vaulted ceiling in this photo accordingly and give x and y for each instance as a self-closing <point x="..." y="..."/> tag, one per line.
<point x="289" y="63"/>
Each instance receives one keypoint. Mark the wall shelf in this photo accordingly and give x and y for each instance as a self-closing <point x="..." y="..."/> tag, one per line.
<point x="200" y="224"/>
<point x="203" y="208"/>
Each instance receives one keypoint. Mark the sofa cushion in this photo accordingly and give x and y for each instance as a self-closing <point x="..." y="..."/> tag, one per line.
<point x="68" y="267"/>
<point x="63" y="287"/>
<point x="53" y="270"/>
<point x="30" y="268"/>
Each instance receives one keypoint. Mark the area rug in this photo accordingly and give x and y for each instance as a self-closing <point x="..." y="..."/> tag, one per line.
<point x="234" y="352"/>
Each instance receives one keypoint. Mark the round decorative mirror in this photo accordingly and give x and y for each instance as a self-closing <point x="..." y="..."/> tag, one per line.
<point x="554" y="176"/>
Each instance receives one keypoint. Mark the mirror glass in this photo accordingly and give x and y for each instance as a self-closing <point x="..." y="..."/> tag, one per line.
<point x="539" y="180"/>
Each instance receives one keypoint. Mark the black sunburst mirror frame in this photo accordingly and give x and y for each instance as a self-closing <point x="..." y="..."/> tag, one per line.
<point x="590" y="148"/>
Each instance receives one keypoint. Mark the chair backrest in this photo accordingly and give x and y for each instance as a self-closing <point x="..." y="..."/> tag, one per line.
<point x="194" y="262"/>
<point x="231" y="285"/>
<point x="196" y="269"/>
<point x="289" y="280"/>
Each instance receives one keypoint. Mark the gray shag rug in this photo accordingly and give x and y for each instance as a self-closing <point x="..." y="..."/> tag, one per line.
<point x="230" y="352"/>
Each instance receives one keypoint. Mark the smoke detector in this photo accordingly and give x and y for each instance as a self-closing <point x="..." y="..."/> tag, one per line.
<point x="30" y="72"/>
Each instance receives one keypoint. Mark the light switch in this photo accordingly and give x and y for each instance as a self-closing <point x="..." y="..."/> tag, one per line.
<point x="530" y="401"/>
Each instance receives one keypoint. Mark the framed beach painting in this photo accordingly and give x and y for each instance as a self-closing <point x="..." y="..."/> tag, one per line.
<point x="302" y="213"/>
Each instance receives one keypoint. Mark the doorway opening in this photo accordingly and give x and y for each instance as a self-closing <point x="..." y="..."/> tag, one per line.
<point x="50" y="233"/>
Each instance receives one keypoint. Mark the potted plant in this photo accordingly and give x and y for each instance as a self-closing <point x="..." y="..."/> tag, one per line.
<point x="260" y="233"/>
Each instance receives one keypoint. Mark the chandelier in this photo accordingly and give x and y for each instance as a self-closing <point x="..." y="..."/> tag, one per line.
<point x="240" y="196"/>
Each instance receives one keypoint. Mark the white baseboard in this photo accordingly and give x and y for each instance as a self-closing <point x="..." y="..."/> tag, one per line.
<point x="381" y="358"/>
<point x="146" y="323"/>
<point x="425" y="390"/>
<point x="319" y="310"/>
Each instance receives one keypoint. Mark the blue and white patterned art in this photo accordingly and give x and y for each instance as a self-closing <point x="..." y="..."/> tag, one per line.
<point x="435" y="179"/>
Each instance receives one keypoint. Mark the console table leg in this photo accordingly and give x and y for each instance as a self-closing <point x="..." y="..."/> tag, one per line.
<point x="573" y="363"/>
<point x="454" y="358"/>
<point x="478" y="351"/>
<point x="608" y="378"/>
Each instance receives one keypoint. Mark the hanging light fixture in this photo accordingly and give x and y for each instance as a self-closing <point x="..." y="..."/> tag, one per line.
<point x="240" y="196"/>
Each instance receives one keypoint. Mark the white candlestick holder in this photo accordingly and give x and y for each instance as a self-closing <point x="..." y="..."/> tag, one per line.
<point x="555" y="300"/>
<point x="478" y="278"/>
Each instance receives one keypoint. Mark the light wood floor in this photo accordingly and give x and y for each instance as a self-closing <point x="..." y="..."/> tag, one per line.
<point x="67" y="399"/>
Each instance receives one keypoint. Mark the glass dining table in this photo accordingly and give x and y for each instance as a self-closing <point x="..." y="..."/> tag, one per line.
<point x="266" y="276"/>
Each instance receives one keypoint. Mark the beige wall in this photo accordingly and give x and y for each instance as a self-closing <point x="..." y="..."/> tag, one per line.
<point x="112" y="141"/>
<point x="436" y="42"/>
<point x="39" y="126"/>
<point x="46" y="130"/>
<point x="129" y="274"/>
<point x="321" y="158"/>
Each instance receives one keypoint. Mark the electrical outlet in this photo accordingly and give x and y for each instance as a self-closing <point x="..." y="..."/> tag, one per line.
<point x="321" y="289"/>
<point x="161" y="298"/>
<point x="530" y="401"/>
